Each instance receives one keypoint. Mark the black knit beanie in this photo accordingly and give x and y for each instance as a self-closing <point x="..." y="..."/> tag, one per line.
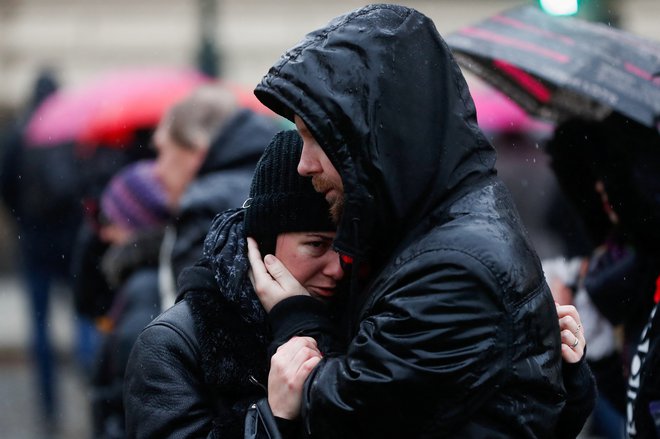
<point x="280" y="199"/>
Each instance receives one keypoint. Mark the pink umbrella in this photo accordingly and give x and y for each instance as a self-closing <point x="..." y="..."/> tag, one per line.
<point x="497" y="113"/>
<point x="115" y="122"/>
<point x="69" y="114"/>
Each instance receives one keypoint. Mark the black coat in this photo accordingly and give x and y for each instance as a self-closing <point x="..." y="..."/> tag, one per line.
<point x="223" y="182"/>
<point x="454" y="332"/>
<point x="195" y="368"/>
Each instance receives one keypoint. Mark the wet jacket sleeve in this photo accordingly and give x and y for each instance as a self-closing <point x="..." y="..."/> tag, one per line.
<point x="163" y="394"/>
<point x="581" y="397"/>
<point x="429" y="351"/>
<point x="312" y="319"/>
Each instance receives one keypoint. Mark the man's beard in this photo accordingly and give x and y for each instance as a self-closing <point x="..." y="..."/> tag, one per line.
<point x="323" y="185"/>
<point x="337" y="209"/>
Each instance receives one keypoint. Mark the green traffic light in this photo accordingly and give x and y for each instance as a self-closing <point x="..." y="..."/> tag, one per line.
<point x="560" y="7"/>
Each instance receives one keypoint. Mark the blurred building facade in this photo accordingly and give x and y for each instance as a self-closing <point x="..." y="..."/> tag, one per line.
<point x="80" y="38"/>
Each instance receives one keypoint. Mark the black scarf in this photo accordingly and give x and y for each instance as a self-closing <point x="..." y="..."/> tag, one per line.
<point x="230" y="323"/>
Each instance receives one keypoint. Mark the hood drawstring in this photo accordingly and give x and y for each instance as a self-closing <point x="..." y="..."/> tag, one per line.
<point x="355" y="274"/>
<point x="353" y="266"/>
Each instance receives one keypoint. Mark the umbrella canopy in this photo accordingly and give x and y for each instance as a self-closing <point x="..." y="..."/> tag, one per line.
<point x="111" y="107"/>
<point x="559" y="67"/>
<point x="496" y="113"/>
<point x="116" y="121"/>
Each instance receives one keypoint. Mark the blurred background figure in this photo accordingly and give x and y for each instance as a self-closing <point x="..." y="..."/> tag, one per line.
<point x="39" y="188"/>
<point x="207" y="148"/>
<point x="609" y="171"/>
<point x="116" y="114"/>
<point x="133" y="216"/>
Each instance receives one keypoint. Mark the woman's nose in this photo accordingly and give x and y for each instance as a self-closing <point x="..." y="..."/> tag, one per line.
<point x="333" y="267"/>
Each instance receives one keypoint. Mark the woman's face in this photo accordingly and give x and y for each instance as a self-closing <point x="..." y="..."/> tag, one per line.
<point x="311" y="260"/>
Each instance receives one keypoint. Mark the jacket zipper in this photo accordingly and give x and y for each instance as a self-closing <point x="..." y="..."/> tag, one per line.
<point x="256" y="382"/>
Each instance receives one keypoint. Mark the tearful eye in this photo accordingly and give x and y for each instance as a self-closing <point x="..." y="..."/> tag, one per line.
<point x="317" y="247"/>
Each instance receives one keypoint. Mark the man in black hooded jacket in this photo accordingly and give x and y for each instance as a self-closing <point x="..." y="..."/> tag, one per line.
<point x="451" y="328"/>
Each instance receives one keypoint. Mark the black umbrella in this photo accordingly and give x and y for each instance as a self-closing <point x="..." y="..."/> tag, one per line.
<point x="558" y="67"/>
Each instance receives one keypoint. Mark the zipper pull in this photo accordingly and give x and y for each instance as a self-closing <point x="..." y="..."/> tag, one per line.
<point x="256" y="382"/>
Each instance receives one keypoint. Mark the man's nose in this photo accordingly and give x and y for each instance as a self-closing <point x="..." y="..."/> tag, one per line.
<point x="308" y="164"/>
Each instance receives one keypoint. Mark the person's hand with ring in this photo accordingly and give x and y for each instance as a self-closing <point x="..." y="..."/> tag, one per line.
<point x="572" y="335"/>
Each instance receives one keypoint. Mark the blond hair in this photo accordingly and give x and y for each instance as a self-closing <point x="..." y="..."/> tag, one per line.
<point x="193" y="122"/>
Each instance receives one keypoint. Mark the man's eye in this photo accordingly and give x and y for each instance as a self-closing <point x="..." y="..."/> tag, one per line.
<point x="316" y="244"/>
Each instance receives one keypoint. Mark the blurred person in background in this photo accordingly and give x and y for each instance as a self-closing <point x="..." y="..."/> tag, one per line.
<point x="207" y="147"/>
<point x="133" y="216"/>
<point x="610" y="172"/>
<point x="92" y="293"/>
<point x="40" y="188"/>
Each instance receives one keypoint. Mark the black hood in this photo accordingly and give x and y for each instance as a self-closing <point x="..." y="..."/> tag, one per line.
<point x="381" y="93"/>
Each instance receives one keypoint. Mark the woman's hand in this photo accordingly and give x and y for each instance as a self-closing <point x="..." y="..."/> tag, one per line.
<point x="572" y="334"/>
<point x="270" y="278"/>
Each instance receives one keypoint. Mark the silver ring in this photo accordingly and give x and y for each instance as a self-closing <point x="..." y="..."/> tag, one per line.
<point x="577" y="342"/>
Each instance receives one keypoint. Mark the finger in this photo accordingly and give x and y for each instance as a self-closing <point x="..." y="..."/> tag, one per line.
<point x="283" y="276"/>
<point x="304" y="352"/>
<point x="254" y="256"/>
<point x="569" y="355"/>
<point x="568" y="322"/>
<point x="568" y="310"/>
<point x="282" y="360"/>
<point x="574" y="343"/>
<point x="288" y="350"/>
<point x="306" y="368"/>
<point x="304" y="341"/>
<point x="570" y="315"/>
<point x="302" y="356"/>
<point x="267" y="289"/>
<point x="290" y="357"/>
<point x="258" y="270"/>
<point x="568" y="338"/>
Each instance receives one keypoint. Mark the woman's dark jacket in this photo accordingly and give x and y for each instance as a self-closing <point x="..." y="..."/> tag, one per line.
<point x="223" y="182"/>
<point x="190" y="371"/>
<point x="454" y="331"/>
